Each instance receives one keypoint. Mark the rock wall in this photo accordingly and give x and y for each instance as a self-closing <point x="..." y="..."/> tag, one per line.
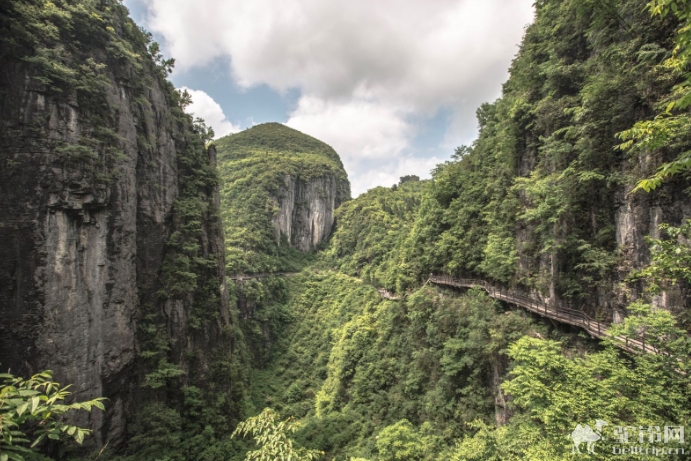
<point x="305" y="213"/>
<point x="637" y="217"/>
<point x="81" y="254"/>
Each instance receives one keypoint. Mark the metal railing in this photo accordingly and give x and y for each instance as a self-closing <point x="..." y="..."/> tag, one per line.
<point x="551" y="310"/>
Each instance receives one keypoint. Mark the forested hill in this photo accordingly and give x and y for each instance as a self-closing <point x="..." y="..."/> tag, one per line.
<point x="297" y="178"/>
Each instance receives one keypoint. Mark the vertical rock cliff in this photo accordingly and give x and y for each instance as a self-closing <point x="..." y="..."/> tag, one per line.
<point x="98" y="169"/>
<point x="305" y="212"/>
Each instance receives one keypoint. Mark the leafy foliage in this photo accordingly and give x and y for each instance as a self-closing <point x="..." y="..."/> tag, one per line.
<point x="669" y="129"/>
<point x="552" y="393"/>
<point x="31" y="411"/>
<point x="403" y="442"/>
<point x="671" y="258"/>
<point x="272" y="437"/>
<point x="372" y="230"/>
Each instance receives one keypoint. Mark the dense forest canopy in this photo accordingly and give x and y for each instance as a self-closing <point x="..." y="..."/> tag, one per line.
<point x="576" y="193"/>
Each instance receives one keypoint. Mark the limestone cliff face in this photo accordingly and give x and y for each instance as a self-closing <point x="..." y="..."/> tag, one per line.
<point x="638" y="216"/>
<point x="305" y="213"/>
<point x="632" y="219"/>
<point x="83" y="239"/>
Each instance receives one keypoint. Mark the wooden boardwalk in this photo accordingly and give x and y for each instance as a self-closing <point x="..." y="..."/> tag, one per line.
<point x="553" y="311"/>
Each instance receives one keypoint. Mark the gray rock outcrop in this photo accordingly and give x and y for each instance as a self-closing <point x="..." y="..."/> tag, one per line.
<point x="306" y="210"/>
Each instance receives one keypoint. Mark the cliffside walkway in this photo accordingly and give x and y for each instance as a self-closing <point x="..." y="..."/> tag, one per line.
<point x="550" y="310"/>
<point x="244" y="278"/>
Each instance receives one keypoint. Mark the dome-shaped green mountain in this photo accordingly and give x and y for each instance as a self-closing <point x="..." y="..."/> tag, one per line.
<point x="280" y="188"/>
<point x="274" y="137"/>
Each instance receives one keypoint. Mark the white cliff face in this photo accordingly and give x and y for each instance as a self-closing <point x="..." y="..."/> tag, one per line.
<point x="305" y="210"/>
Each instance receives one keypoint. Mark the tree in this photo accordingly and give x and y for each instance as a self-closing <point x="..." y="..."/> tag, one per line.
<point x="670" y="128"/>
<point x="671" y="258"/>
<point x="272" y="438"/>
<point x="552" y="393"/>
<point x="403" y="442"/>
<point x="408" y="178"/>
<point x="30" y="411"/>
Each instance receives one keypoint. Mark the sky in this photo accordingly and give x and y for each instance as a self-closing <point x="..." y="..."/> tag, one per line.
<point x="392" y="85"/>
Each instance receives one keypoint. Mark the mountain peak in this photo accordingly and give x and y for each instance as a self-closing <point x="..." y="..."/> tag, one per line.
<point x="275" y="137"/>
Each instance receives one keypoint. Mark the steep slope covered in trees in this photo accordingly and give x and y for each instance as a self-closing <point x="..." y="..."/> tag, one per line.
<point x="542" y="200"/>
<point x="366" y="242"/>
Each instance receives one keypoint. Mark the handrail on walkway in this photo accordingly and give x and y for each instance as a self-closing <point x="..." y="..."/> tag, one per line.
<point x="550" y="310"/>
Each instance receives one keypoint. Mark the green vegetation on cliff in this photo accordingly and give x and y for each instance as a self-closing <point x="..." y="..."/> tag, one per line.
<point x="370" y="230"/>
<point x="542" y="201"/>
<point x="254" y="166"/>
<point x="537" y="199"/>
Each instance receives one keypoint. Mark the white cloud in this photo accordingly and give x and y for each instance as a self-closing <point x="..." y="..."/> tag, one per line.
<point x="356" y="128"/>
<point x="428" y="53"/>
<point x="389" y="173"/>
<point x="364" y="133"/>
<point x="204" y="106"/>
<point x="365" y="68"/>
